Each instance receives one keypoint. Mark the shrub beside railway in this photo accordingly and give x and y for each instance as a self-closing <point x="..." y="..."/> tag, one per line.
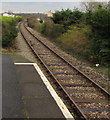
<point x="83" y="33"/>
<point x="9" y="30"/>
<point x="75" y="39"/>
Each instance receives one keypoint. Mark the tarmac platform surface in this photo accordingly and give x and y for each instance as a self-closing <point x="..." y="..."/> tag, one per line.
<point x="38" y="101"/>
<point x="24" y="95"/>
<point x="12" y="105"/>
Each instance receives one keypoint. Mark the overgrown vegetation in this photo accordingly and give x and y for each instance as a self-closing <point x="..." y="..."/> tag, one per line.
<point x="9" y="30"/>
<point x="67" y="17"/>
<point x="52" y="30"/>
<point x="99" y="46"/>
<point x="32" y="21"/>
<point x="83" y="33"/>
<point x="75" y="39"/>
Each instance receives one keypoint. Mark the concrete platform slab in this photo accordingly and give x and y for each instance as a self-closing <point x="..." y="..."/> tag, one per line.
<point x="24" y="91"/>
<point x="30" y="75"/>
<point x="38" y="101"/>
<point x="43" y="108"/>
<point x="37" y="90"/>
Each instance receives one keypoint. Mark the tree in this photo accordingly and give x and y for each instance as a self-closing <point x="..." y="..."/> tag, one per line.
<point x="67" y="17"/>
<point x="100" y="38"/>
<point x="93" y="5"/>
<point x="108" y="5"/>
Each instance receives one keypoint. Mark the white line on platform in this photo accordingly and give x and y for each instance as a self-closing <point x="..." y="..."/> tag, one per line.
<point x="24" y="63"/>
<point x="58" y="100"/>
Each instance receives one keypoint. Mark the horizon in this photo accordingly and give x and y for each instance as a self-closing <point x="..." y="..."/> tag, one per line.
<point x="37" y="7"/>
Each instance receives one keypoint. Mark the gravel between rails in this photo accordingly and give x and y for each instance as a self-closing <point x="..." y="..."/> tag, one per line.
<point x="24" y="50"/>
<point x="102" y="80"/>
<point x="86" y="95"/>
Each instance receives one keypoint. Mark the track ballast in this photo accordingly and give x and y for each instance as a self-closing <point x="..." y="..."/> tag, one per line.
<point x="87" y="98"/>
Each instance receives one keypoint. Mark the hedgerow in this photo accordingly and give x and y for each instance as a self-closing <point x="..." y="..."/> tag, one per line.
<point x="75" y="39"/>
<point x="85" y="33"/>
<point x="99" y="46"/>
<point x="9" y="30"/>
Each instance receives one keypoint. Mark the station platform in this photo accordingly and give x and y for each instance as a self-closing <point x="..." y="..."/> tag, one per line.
<point x="26" y="93"/>
<point x="12" y="105"/>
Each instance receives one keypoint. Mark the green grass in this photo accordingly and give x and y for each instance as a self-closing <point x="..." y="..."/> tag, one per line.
<point x="6" y="19"/>
<point x="9" y="19"/>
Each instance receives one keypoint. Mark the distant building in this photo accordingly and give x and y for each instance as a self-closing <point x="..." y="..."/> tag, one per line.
<point x="49" y="14"/>
<point x="38" y="19"/>
<point x="8" y="14"/>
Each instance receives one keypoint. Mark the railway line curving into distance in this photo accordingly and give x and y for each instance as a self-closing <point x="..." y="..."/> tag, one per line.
<point x="87" y="98"/>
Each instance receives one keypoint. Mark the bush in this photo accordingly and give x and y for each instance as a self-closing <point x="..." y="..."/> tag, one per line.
<point x="52" y="30"/>
<point x="9" y="30"/>
<point x="75" y="39"/>
<point x="67" y="17"/>
<point x="39" y="27"/>
<point x="32" y="21"/>
<point x="100" y="38"/>
<point x="90" y="39"/>
<point x="19" y="18"/>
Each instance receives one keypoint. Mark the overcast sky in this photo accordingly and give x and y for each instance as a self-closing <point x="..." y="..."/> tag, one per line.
<point x="32" y="6"/>
<point x="38" y="6"/>
<point x="51" y="0"/>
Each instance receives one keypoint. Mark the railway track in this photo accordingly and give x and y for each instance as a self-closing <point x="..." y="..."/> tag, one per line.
<point x="89" y="100"/>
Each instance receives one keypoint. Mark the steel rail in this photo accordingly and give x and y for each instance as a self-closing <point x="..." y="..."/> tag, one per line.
<point x="74" y="105"/>
<point x="102" y="89"/>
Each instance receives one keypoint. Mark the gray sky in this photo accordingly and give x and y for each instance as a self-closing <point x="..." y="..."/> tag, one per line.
<point x="51" y="0"/>
<point x="37" y="6"/>
<point x="32" y="6"/>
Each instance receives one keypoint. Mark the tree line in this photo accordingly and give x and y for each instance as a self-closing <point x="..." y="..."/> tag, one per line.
<point x="84" y="33"/>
